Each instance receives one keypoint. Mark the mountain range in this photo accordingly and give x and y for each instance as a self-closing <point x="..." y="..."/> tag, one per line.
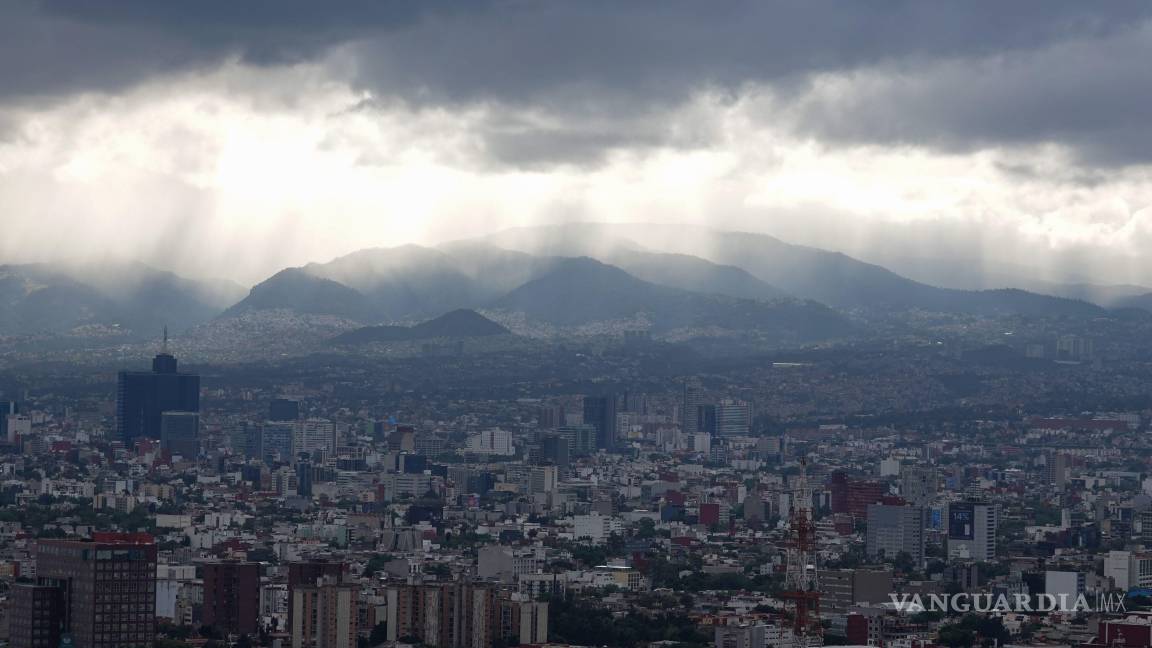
<point x="130" y="298"/>
<point x="665" y="277"/>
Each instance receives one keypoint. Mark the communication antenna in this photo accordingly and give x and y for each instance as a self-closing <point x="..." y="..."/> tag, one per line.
<point x="802" y="589"/>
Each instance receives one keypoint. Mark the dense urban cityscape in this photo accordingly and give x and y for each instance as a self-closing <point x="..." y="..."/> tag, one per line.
<point x="575" y="324"/>
<point x="325" y="503"/>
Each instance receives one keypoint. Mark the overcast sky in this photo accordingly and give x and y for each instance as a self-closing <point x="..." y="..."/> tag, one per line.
<point x="223" y="138"/>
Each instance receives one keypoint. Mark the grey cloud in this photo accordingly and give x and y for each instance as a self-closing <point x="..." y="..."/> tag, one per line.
<point x="575" y="53"/>
<point x="636" y="59"/>
<point x="510" y="49"/>
<point x="54" y="47"/>
<point x="1088" y="94"/>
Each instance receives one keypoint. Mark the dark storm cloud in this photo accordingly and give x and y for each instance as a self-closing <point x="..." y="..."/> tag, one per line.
<point x="1089" y="94"/>
<point x="55" y="47"/>
<point x="519" y="50"/>
<point x="952" y="73"/>
<point x="578" y="51"/>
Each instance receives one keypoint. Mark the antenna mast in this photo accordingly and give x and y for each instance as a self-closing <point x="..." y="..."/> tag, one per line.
<point x="801" y="588"/>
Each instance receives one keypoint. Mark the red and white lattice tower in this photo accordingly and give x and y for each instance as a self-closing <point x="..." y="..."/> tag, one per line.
<point x="801" y="587"/>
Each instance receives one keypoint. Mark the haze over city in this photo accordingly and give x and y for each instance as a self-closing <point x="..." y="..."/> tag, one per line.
<point x="584" y="324"/>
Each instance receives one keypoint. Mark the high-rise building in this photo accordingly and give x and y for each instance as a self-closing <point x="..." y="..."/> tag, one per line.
<point x="232" y="596"/>
<point x="918" y="484"/>
<point x="325" y="614"/>
<point x="107" y="588"/>
<point x="17" y="427"/>
<point x="36" y="615"/>
<point x="692" y="397"/>
<point x="845" y="588"/>
<point x="733" y="418"/>
<point x="180" y="433"/>
<point x="600" y="413"/>
<point x="252" y="433"/>
<point x="556" y="450"/>
<point x="283" y="409"/>
<point x="896" y="529"/>
<point x="304" y="479"/>
<point x="972" y="530"/>
<point x="542" y="479"/>
<point x="463" y="615"/>
<point x="142" y="396"/>
<point x="315" y="436"/>
<point x="7" y="408"/>
<point x="1056" y="469"/>
<point x="581" y="438"/>
<point x="550" y="417"/>
<point x="706" y="419"/>
<point x="278" y="441"/>
<point x="852" y="496"/>
<point x="493" y="441"/>
<point x="309" y="573"/>
<point x="1128" y="569"/>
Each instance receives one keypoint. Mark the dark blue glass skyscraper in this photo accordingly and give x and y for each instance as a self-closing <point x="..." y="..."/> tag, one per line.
<point x="143" y="396"/>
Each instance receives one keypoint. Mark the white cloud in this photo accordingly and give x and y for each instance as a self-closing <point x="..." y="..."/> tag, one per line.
<point x="241" y="171"/>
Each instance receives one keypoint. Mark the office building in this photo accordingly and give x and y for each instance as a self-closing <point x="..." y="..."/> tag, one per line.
<point x="7" y="408"/>
<point x="1056" y="469"/>
<point x="581" y="439"/>
<point x="918" y="485"/>
<point x="972" y="530"/>
<point x="492" y="442"/>
<point x="733" y="418"/>
<point x="277" y="441"/>
<point x="705" y="420"/>
<point x="36" y="615"/>
<point x="252" y="434"/>
<point x="316" y="437"/>
<point x="550" y="417"/>
<point x="896" y="529"/>
<point x="556" y="450"/>
<point x="600" y="413"/>
<point x="852" y="496"/>
<point x="304" y="479"/>
<point x="107" y="588"/>
<point x="180" y="434"/>
<point x="1128" y="569"/>
<point x="16" y="428"/>
<point x="283" y="409"/>
<point x="845" y="588"/>
<point x="543" y="479"/>
<point x="143" y="396"/>
<point x="692" y="397"/>
<point x="232" y="596"/>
